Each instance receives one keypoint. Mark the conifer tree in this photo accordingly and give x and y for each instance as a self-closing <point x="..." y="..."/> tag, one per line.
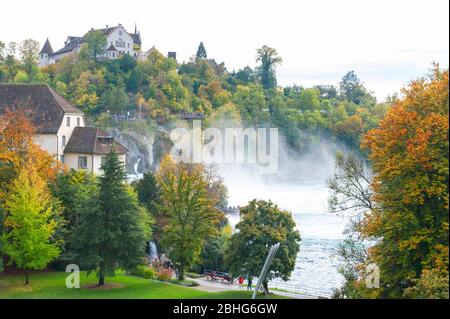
<point x="113" y="228"/>
<point x="201" y="52"/>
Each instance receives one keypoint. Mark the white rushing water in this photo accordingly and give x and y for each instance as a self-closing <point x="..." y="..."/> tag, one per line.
<point x="316" y="269"/>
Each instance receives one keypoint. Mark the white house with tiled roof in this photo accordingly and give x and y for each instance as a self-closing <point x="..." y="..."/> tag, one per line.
<point x="119" y="42"/>
<point x="60" y="127"/>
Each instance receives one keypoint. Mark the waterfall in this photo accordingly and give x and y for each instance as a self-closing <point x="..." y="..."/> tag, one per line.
<point x="152" y="251"/>
<point x="136" y="165"/>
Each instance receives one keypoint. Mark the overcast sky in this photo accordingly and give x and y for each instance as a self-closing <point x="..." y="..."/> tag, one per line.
<point x="387" y="42"/>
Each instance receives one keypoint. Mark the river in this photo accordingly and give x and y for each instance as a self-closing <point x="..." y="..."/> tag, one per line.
<point x="316" y="268"/>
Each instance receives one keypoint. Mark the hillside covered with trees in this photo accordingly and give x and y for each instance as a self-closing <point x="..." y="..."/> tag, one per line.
<point x="159" y="89"/>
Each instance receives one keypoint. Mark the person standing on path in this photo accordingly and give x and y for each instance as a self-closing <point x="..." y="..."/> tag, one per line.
<point x="249" y="283"/>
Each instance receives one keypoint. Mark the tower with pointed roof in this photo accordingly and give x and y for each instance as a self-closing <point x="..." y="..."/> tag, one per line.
<point x="45" y="53"/>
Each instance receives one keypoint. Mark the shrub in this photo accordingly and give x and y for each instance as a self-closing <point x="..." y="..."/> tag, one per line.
<point x="164" y="274"/>
<point x="144" y="271"/>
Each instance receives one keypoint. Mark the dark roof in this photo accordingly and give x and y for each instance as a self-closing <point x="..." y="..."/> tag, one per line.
<point x="92" y="140"/>
<point x="136" y="38"/>
<point x="47" y="48"/>
<point x="72" y="44"/>
<point x="47" y="108"/>
<point x="111" y="48"/>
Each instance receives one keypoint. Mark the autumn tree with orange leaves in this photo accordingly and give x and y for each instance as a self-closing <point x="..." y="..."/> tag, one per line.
<point x="17" y="148"/>
<point x="17" y="152"/>
<point x="410" y="159"/>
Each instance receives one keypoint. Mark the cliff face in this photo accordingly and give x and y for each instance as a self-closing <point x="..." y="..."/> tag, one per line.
<point x="144" y="150"/>
<point x="140" y="150"/>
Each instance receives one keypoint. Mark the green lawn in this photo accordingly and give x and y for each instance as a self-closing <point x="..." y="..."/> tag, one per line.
<point x="52" y="285"/>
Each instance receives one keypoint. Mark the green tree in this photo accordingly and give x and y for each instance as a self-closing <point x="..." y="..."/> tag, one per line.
<point x="262" y="225"/>
<point x="72" y="189"/>
<point x="352" y="89"/>
<point x="201" y="52"/>
<point x="189" y="207"/>
<point x="269" y="59"/>
<point x="29" y="223"/>
<point x="29" y="55"/>
<point x="309" y="99"/>
<point x="114" y="99"/>
<point x="96" y="42"/>
<point x="113" y="228"/>
<point x="148" y="191"/>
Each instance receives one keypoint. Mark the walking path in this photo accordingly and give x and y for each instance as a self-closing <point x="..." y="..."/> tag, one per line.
<point x="218" y="286"/>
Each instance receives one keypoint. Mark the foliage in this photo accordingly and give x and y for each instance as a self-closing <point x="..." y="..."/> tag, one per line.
<point x="269" y="59"/>
<point x="148" y="192"/>
<point x="112" y="228"/>
<point x="96" y="43"/>
<point x="431" y="285"/>
<point x="72" y="189"/>
<point x="192" y="215"/>
<point x="29" y="222"/>
<point x="144" y="271"/>
<point x="351" y="89"/>
<point x="261" y="226"/>
<point x="158" y="88"/>
<point x="29" y="53"/>
<point x="213" y="252"/>
<point x="201" y="52"/>
<point x="406" y="207"/>
<point x="17" y="149"/>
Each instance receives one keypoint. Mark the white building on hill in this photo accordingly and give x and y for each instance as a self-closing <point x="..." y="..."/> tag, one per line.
<point x="119" y="42"/>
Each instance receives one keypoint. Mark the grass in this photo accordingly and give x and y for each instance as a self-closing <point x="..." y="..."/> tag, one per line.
<point x="51" y="285"/>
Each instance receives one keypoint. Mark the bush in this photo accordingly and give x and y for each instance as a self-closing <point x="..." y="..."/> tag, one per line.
<point x="144" y="271"/>
<point x="164" y="274"/>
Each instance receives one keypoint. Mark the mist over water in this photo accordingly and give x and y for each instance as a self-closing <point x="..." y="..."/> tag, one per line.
<point x="300" y="187"/>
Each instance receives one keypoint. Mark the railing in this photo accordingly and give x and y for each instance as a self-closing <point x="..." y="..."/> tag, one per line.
<point x="300" y="290"/>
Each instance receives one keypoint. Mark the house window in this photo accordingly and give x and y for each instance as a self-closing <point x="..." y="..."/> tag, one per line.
<point x="82" y="162"/>
<point x="120" y="33"/>
<point x="63" y="141"/>
<point x="61" y="158"/>
<point x="68" y="121"/>
<point x="78" y="121"/>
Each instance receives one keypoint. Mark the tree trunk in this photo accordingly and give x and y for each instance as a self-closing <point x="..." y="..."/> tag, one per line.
<point x="26" y="278"/>
<point x="266" y="288"/>
<point x="181" y="271"/>
<point x="101" y="278"/>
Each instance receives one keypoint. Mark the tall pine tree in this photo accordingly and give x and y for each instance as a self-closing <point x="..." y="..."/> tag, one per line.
<point x="201" y="52"/>
<point x="113" y="229"/>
